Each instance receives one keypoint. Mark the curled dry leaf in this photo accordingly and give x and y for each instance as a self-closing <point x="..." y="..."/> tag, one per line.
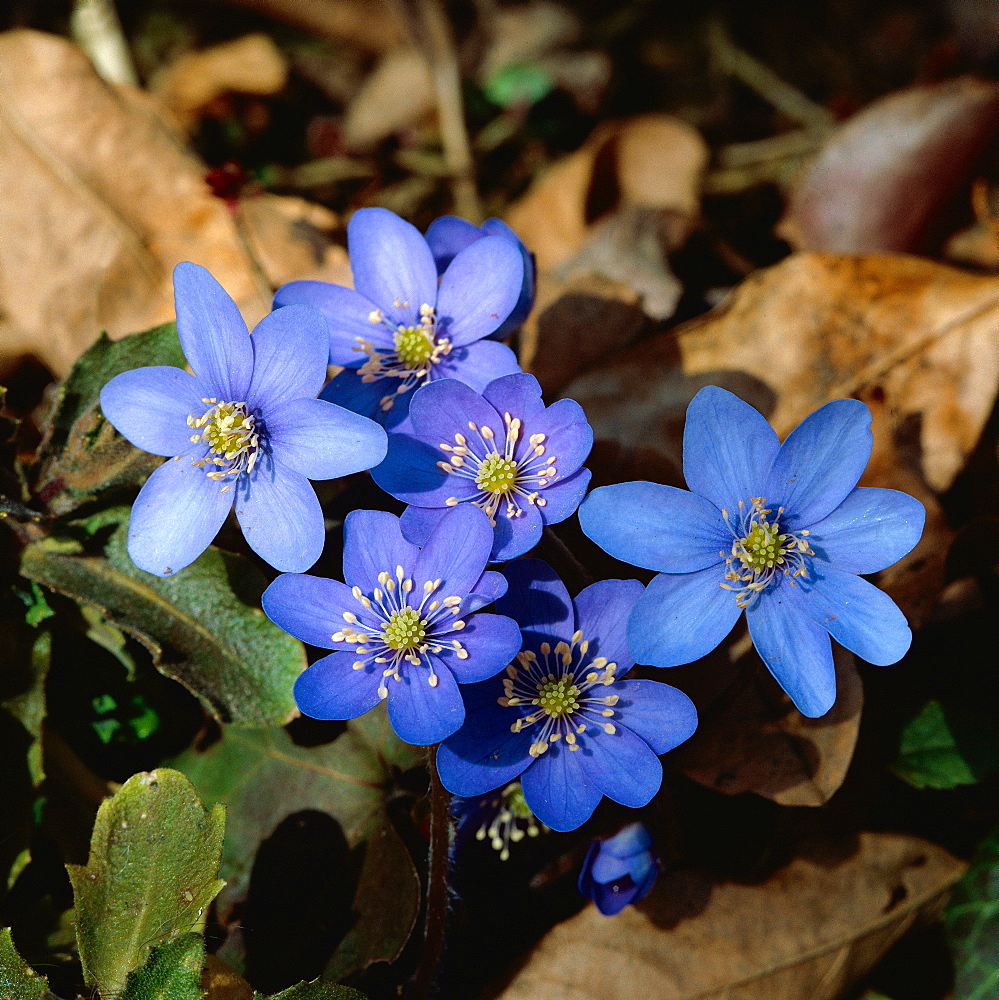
<point x="809" y="932"/>
<point x="886" y="179"/>
<point x="100" y="202"/>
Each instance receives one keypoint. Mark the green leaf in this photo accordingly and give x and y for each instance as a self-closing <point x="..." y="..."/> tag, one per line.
<point x="972" y="922"/>
<point x="315" y="990"/>
<point x="173" y="972"/>
<point x="152" y="871"/>
<point x="203" y="626"/>
<point x="18" y="981"/>
<point x="944" y="747"/>
<point x="82" y="455"/>
<point x="264" y="777"/>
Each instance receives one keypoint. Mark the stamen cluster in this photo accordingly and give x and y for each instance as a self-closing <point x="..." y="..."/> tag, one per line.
<point x="232" y="437"/>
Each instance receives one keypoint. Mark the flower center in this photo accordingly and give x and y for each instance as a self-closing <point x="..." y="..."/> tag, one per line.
<point x="413" y="346"/>
<point x="558" y="697"/>
<point x="496" y="474"/>
<point x="231" y="435"/>
<point x="507" y="820"/>
<point x="405" y="629"/>
<point x="760" y="550"/>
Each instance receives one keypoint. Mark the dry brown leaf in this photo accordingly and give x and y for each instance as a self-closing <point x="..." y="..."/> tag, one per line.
<point x="221" y="982"/>
<point x="526" y="32"/>
<point x="752" y="739"/>
<point x="808" y="933"/>
<point x="252" y="64"/>
<point x="884" y="180"/>
<point x="100" y="202"/>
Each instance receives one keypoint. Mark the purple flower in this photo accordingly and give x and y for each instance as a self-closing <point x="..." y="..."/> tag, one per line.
<point x="561" y="718"/>
<point x="396" y="329"/>
<point x="449" y="235"/>
<point x="778" y="530"/>
<point x="503" y="451"/>
<point x="619" y="870"/>
<point x="402" y="626"/>
<point x="246" y="430"/>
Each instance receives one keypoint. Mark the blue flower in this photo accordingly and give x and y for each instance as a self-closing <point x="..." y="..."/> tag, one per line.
<point x="246" y="430"/>
<point x="402" y="625"/>
<point x="619" y="870"/>
<point x="502" y="817"/>
<point x="396" y="329"/>
<point x="778" y="530"/>
<point x="561" y="718"/>
<point x="449" y="235"/>
<point x="502" y="451"/>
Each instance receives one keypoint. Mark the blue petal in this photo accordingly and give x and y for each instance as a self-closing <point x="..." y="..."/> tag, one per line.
<point x="602" y="611"/>
<point x="373" y="544"/>
<point x="871" y="529"/>
<point x="150" y="407"/>
<point x="324" y="441"/>
<point x="627" y="842"/>
<point x="212" y="333"/>
<point x="346" y="314"/>
<point x="289" y="357"/>
<point x="796" y="650"/>
<point x="610" y="900"/>
<point x="820" y="462"/>
<point x="282" y="521"/>
<point x="660" y="714"/>
<point x="492" y="641"/>
<point x="655" y="527"/>
<point x="479" y="290"/>
<point x="177" y="513"/>
<point x="855" y="613"/>
<point x="516" y="535"/>
<point x="568" y="436"/>
<point x="537" y="599"/>
<point x="488" y="588"/>
<point x="420" y="713"/>
<point x="418" y="523"/>
<point x="347" y="389"/>
<point x="391" y="262"/>
<point x="728" y="448"/>
<point x="681" y="617"/>
<point x="444" y="408"/>
<point x="448" y="236"/>
<point x="622" y="766"/>
<point x="410" y="473"/>
<point x="331" y="689"/>
<point x="520" y="396"/>
<point x="562" y="497"/>
<point x="309" y="607"/>
<point x="496" y="227"/>
<point x="483" y="754"/>
<point x="559" y="790"/>
<point x="477" y="364"/>
<point x="456" y="552"/>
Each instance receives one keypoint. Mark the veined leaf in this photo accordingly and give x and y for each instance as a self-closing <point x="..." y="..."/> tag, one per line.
<point x="18" y="981"/>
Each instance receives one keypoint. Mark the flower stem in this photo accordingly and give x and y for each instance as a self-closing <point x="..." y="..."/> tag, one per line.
<point x="435" y="921"/>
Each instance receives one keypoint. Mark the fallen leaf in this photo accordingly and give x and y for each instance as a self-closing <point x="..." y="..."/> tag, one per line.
<point x="885" y="180"/>
<point x="809" y="932"/>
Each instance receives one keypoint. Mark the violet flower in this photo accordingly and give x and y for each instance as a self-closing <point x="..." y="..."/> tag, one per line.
<point x="619" y="870"/>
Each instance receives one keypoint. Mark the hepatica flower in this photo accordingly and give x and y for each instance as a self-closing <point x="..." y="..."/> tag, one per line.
<point x="245" y="430"/>
<point x="397" y="329"/>
<point x="619" y="870"/>
<point x="562" y="717"/>
<point x="779" y="531"/>
<point x="503" y="451"/>
<point x="402" y="626"/>
<point x="501" y="816"/>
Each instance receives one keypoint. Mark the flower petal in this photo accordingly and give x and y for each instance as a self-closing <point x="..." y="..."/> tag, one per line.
<point x="728" y="448"/>
<point x="871" y="529"/>
<point x="477" y="364"/>
<point x="410" y="473"/>
<point x="346" y="314"/>
<point x="602" y="611"/>
<point x="347" y="389"/>
<point x="559" y="789"/>
<point x="479" y="290"/>
<point x="820" y="462"/>
<point x="660" y="714"/>
<point x="422" y="713"/>
<point x="489" y="587"/>
<point x="681" y="617"/>
<point x="492" y="641"/>
<point x="447" y="236"/>
<point x="279" y="513"/>
<point x="562" y="497"/>
<point x="331" y="689"/>
<point x="290" y="347"/>
<point x="311" y="608"/>
<point x="497" y="227"/>
<point x="373" y="544"/>
<point x="483" y="754"/>
<point x="456" y="552"/>
<point x="324" y="441"/>
<point x="796" y="650"/>
<point x="391" y="263"/>
<point x="520" y="396"/>
<point x="150" y="407"/>
<point x="568" y="436"/>
<point x="655" y="527"/>
<point x="622" y="766"/>
<point x="537" y="600"/>
<point x="855" y="613"/>
<point x="444" y="408"/>
<point x="176" y="515"/>
<point x="418" y="523"/>
<point x="516" y="535"/>
<point x="212" y="333"/>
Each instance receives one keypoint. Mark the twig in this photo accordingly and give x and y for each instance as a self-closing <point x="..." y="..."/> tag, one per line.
<point x="96" y="29"/>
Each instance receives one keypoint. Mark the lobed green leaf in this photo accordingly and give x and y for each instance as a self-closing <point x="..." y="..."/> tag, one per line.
<point x="173" y="972"/>
<point x="18" y="981"/>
